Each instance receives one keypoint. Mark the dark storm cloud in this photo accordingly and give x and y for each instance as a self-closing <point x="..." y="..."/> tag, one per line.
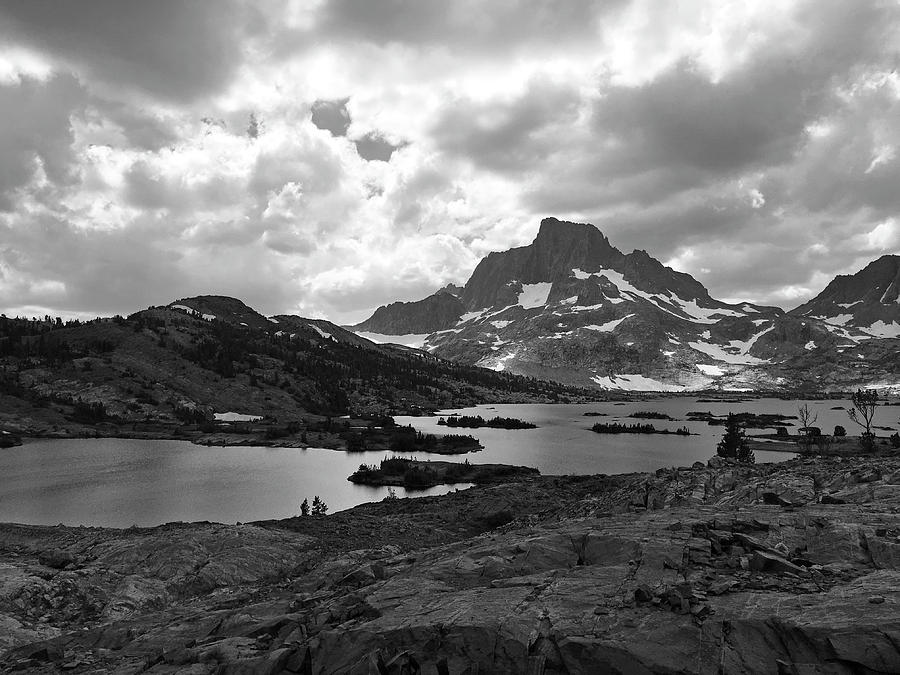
<point x="332" y="116"/>
<point x="682" y="120"/>
<point x="471" y="24"/>
<point x="374" y="147"/>
<point x="176" y="50"/>
<point x="36" y="129"/>
<point x="508" y="136"/>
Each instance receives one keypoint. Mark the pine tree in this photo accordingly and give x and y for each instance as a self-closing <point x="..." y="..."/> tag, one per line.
<point x="319" y="507"/>
<point x="734" y="443"/>
<point x="304" y="507"/>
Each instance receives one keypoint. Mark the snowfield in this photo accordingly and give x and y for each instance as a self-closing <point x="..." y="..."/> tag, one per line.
<point x="534" y="295"/>
<point x="609" y="325"/>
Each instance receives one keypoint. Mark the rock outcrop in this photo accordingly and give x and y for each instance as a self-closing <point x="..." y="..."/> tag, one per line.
<point x="715" y="568"/>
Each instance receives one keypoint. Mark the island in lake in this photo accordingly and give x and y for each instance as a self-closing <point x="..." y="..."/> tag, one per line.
<point x="412" y="473"/>
<point x="477" y="421"/>
<point x="617" y="428"/>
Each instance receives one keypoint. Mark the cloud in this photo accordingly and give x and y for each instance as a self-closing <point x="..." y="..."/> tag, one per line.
<point x="754" y="146"/>
<point x="467" y="24"/>
<point x="37" y="134"/>
<point x="332" y="116"/>
<point x="374" y="147"/>
<point x="171" y="49"/>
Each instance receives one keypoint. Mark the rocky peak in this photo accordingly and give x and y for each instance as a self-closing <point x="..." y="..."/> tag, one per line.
<point x="450" y="289"/>
<point x="877" y="282"/>
<point x="436" y="312"/>
<point x="869" y="299"/>
<point x="559" y="247"/>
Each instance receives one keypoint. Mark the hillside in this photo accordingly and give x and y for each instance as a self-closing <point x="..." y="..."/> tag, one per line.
<point x="196" y="357"/>
<point x="572" y="308"/>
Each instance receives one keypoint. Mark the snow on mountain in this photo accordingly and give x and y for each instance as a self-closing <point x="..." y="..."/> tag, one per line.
<point x="573" y="308"/>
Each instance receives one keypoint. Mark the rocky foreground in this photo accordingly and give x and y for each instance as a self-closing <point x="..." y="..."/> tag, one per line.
<point x="719" y="568"/>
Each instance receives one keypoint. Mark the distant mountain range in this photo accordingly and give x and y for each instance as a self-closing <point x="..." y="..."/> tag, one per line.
<point x="572" y="308"/>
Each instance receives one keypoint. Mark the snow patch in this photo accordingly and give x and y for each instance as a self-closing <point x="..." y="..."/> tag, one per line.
<point x="809" y="346"/>
<point x="495" y="363"/>
<point x="236" y="417"/>
<point x="609" y="325"/>
<point x="569" y="301"/>
<point x="719" y="354"/>
<point x="839" y="320"/>
<point x="847" y="305"/>
<point x="708" y="369"/>
<point x="695" y="313"/>
<point x="272" y="320"/>
<point x="884" y="330"/>
<point x="194" y="312"/>
<point x="635" y="383"/>
<point x="468" y="316"/>
<point x="327" y="336"/>
<point x="534" y="295"/>
<point x="500" y="324"/>
<point x="749" y="309"/>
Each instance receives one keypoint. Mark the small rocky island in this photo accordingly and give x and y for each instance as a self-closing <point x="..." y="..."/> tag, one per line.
<point x="413" y="474"/>
<point x="618" y="428"/>
<point x="477" y="421"/>
<point x="715" y="568"/>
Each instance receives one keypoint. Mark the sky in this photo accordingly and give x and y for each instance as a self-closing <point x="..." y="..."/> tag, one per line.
<point x="324" y="158"/>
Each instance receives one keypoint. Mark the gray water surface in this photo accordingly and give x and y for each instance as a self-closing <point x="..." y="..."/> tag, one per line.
<point x="123" y="482"/>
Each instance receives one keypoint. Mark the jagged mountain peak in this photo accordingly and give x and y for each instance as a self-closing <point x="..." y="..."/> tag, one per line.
<point x="868" y="300"/>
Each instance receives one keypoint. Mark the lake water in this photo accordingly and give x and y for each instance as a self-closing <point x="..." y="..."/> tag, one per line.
<point x="563" y="442"/>
<point x="123" y="482"/>
<point x="120" y="482"/>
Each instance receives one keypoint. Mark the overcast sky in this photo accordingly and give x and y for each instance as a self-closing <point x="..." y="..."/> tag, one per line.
<point x="324" y="158"/>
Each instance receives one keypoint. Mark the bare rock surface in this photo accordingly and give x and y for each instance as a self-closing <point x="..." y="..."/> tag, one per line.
<point x="717" y="568"/>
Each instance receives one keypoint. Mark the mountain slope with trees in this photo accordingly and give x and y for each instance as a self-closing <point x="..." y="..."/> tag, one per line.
<point x="199" y="356"/>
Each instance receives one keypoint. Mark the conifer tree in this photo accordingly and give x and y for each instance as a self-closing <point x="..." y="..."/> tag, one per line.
<point x="734" y="443"/>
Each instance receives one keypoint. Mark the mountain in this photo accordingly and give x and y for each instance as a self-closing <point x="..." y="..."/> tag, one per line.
<point x="868" y="300"/>
<point x="571" y="307"/>
<point x="436" y="312"/>
<point x="212" y="354"/>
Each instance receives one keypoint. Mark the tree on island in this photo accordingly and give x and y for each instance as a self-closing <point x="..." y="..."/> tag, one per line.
<point x="862" y="412"/>
<point x="734" y="444"/>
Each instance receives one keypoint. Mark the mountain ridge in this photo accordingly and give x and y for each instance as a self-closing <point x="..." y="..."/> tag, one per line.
<point x="573" y="308"/>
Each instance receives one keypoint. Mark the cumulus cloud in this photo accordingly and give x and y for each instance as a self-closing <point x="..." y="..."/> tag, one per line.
<point x="754" y="146"/>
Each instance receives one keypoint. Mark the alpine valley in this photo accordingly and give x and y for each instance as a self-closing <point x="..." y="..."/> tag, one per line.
<point x="572" y="308"/>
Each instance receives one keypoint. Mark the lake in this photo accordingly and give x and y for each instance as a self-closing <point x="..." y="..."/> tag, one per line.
<point x="122" y="482"/>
